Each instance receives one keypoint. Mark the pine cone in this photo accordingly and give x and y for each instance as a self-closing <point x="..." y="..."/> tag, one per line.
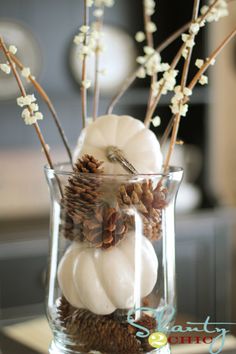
<point x="148" y="202"/>
<point x="92" y="332"/>
<point x="148" y="322"/>
<point x="106" y="228"/>
<point x="81" y="197"/>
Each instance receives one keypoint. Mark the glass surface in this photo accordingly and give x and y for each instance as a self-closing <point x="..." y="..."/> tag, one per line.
<point x="112" y="260"/>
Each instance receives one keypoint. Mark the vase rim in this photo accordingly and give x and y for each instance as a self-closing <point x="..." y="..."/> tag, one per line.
<point x="64" y="169"/>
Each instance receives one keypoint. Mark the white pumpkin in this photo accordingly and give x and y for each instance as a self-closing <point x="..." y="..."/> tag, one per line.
<point x="105" y="280"/>
<point x="138" y="144"/>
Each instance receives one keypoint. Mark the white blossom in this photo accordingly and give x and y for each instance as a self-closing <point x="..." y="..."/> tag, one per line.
<point x="149" y="7"/>
<point x="34" y="107"/>
<point x="141" y="74"/>
<point x="12" y="49"/>
<point x="25" y="72"/>
<point x="107" y="3"/>
<point x="199" y="63"/>
<point x="151" y="27"/>
<point x="98" y="13"/>
<point x="89" y="3"/>
<point x="203" y="80"/>
<point x="148" y="50"/>
<point x="140" y="36"/>
<point x="188" y="92"/>
<point x="79" y="39"/>
<point x="25" y="101"/>
<point x="217" y="12"/>
<point x="194" y="28"/>
<point x="156" y="121"/>
<point x="141" y="60"/>
<point x="185" y="53"/>
<point x="84" y="29"/>
<point x="86" y="84"/>
<point x="38" y="115"/>
<point x="5" y="68"/>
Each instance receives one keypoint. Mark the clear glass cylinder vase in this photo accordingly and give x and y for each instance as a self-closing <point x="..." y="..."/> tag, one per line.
<point x="111" y="277"/>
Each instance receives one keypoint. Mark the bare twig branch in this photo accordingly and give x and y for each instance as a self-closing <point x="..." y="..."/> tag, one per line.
<point x="183" y="84"/>
<point x="130" y="80"/>
<point x="84" y="70"/>
<point x="99" y="24"/>
<point x="49" y="103"/>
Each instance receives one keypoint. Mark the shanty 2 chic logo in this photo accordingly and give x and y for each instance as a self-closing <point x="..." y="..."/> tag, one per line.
<point x="215" y="333"/>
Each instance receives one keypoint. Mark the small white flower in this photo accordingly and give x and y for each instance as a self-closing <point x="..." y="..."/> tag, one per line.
<point x="187" y="92"/>
<point x="25" y="101"/>
<point x="203" y="80"/>
<point x="194" y="28"/>
<point x="13" y="49"/>
<point x="148" y="50"/>
<point x="34" y="107"/>
<point x="5" y="68"/>
<point x="164" y="67"/>
<point x="185" y="37"/>
<point x="25" y="113"/>
<point x="89" y="3"/>
<point x="213" y="61"/>
<point x="25" y="72"/>
<point x="151" y="27"/>
<point x="185" y="53"/>
<point x="30" y="120"/>
<point x="141" y="74"/>
<point x="98" y="13"/>
<point x="79" y="39"/>
<point x="38" y="115"/>
<point x="199" y="63"/>
<point x="108" y="3"/>
<point x="190" y="43"/>
<point x="140" y="36"/>
<point x="183" y="110"/>
<point x="141" y="60"/>
<point x="86" y="84"/>
<point x="150" y="7"/>
<point x="156" y="121"/>
<point x="84" y="29"/>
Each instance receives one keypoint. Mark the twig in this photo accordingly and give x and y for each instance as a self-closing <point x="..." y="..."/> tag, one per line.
<point x="23" y="92"/>
<point x="183" y="84"/>
<point x="158" y="97"/>
<point x="47" y="100"/>
<point x="130" y="80"/>
<point x="159" y="49"/>
<point x="150" y="43"/>
<point x="84" y="70"/>
<point x="214" y="54"/>
<point x="99" y="24"/>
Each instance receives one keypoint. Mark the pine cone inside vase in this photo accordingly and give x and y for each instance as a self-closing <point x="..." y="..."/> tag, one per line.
<point x="91" y="332"/>
<point x="81" y="196"/>
<point x="86" y="214"/>
<point x="148" y="202"/>
<point x="106" y="228"/>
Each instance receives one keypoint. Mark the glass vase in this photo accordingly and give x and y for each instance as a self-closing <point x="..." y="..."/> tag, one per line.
<point x="111" y="277"/>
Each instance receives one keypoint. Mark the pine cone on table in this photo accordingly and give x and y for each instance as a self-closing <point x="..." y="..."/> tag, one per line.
<point x="148" y="202"/>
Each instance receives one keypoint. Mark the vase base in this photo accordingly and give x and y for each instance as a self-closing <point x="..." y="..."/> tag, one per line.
<point x="54" y="349"/>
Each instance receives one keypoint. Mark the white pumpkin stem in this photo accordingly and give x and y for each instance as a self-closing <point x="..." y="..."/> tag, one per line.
<point x="115" y="155"/>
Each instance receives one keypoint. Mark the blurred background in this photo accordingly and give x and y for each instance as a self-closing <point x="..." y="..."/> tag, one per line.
<point x="43" y="31"/>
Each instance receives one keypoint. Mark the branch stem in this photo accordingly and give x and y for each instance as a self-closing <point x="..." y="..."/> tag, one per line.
<point x="49" y="103"/>
<point x="84" y="70"/>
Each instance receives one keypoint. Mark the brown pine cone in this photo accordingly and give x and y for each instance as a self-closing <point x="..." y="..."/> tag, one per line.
<point x="92" y="332"/>
<point x="106" y="228"/>
<point x="81" y="197"/>
<point x="148" y="202"/>
<point x="148" y="322"/>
